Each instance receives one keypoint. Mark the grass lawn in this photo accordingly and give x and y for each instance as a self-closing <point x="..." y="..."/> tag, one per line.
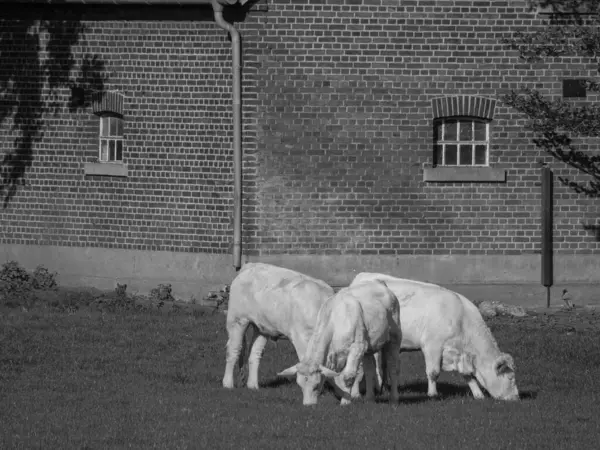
<point x="92" y="380"/>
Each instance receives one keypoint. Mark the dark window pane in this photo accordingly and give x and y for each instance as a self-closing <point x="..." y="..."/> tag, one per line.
<point x="451" y="156"/>
<point x="466" y="155"/>
<point x="104" y="126"/>
<point x="466" y="130"/>
<point x="480" y="131"/>
<point x="111" y="147"/>
<point x="574" y="88"/>
<point x="437" y="154"/>
<point x="119" y="151"/>
<point x="480" y="154"/>
<point x="113" y="126"/>
<point x="103" y="150"/>
<point x="119" y="127"/>
<point x="437" y="131"/>
<point x="450" y="130"/>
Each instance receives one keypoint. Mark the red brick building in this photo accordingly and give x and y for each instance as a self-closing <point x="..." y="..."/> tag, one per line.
<point x="372" y="138"/>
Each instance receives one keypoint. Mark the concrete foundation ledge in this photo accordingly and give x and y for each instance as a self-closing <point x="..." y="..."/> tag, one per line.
<point x="509" y="278"/>
<point x="191" y="275"/>
<point x="443" y="269"/>
<point x="532" y="296"/>
<point x="513" y="279"/>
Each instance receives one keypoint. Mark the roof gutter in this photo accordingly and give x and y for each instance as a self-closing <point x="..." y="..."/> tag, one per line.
<point x="131" y="2"/>
<point x="217" y="6"/>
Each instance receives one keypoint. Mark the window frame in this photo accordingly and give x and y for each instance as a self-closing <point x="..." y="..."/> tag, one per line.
<point x="437" y="142"/>
<point x="118" y="139"/>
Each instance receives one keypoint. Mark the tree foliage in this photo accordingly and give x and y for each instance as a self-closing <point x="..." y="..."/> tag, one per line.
<point x="572" y="30"/>
<point x="37" y="63"/>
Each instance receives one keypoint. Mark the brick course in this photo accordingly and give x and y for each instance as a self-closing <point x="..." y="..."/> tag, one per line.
<point x="337" y="99"/>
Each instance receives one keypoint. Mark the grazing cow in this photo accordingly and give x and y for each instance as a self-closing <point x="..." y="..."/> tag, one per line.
<point x="450" y="331"/>
<point x="351" y="326"/>
<point x="277" y="303"/>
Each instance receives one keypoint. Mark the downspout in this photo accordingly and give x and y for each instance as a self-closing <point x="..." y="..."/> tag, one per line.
<point x="236" y="94"/>
<point x="237" y="130"/>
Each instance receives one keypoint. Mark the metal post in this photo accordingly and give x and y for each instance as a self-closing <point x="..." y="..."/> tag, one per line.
<point x="547" y="229"/>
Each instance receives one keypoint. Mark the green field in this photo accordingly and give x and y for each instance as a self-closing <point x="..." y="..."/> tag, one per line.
<point x="97" y="380"/>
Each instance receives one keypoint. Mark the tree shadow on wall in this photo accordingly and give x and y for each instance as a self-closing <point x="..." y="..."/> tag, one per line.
<point x="36" y="64"/>
<point x="593" y="229"/>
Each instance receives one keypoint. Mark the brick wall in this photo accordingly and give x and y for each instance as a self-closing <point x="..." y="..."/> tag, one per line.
<point x="345" y="128"/>
<point x="337" y="129"/>
<point x="175" y="76"/>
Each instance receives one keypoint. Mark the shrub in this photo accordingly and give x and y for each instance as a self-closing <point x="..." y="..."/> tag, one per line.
<point x="43" y="279"/>
<point x="117" y="301"/>
<point x="14" y="278"/>
<point x="161" y="294"/>
<point x="220" y="298"/>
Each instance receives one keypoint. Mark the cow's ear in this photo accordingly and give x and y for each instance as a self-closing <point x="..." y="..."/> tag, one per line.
<point x="289" y="372"/>
<point x="328" y="372"/>
<point x="504" y="364"/>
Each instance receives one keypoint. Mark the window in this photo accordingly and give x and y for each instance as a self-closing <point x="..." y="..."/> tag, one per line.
<point x="109" y="107"/>
<point x="461" y="142"/>
<point x="111" y="139"/>
<point x="574" y="88"/>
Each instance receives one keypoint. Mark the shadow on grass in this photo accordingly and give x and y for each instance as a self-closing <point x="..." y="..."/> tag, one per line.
<point x="277" y="382"/>
<point x="412" y="392"/>
<point x="449" y="390"/>
<point x="444" y="389"/>
<point x="528" y="395"/>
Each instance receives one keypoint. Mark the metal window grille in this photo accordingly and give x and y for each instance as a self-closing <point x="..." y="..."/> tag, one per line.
<point x="111" y="139"/>
<point x="461" y="142"/>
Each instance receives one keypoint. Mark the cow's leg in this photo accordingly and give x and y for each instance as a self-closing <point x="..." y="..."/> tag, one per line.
<point x="433" y="364"/>
<point x="379" y="373"/>
<point x="369" y="374"/>
<point x="355" y="390"/>
<point x="391" y="355"/>
<point x="235" y="331"/>
<point x="349" y="376"/>
<point x="258" y="346"/>
<point x="346" y="396"/>
<point x="475" y="389"/>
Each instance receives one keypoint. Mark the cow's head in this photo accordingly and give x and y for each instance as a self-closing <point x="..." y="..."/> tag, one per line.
<point x="499" y="378"/>
<point x="310" y="378"/>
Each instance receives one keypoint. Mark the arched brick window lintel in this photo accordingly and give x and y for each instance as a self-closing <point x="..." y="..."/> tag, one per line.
<point x="107" y="102"/>
<point x="463" y="105"/>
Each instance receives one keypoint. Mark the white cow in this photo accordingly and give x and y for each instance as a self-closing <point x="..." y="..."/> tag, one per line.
<point x="450" y="331"/>
<point x="354" y="324"/>
<point x="277" y="303"/>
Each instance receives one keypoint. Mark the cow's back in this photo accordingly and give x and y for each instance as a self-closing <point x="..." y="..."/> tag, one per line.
<point x="425" y="309"/>
<point x="371" y="309"/>
<point x="429" y="310"/>
<point x="276" y="299"/>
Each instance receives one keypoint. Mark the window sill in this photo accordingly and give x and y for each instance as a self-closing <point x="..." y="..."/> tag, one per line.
<point x="464" y="174"/>
<point x="106" y="169"/>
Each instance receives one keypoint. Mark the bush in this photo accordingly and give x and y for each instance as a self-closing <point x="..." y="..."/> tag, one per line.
<point x="14" y="278"/>
<point x="220" y="298"/>
<point x="43" y="279"/>
<point x="117" y="301"/>
<point x="161" y="294"/>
